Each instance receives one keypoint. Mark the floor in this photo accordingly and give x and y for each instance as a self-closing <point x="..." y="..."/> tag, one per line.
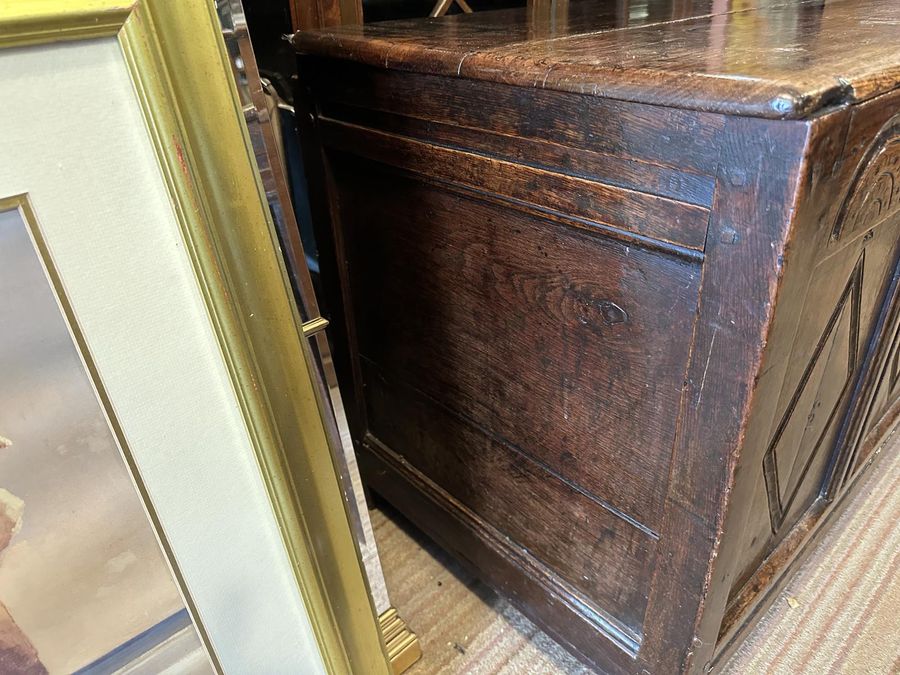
<point x="840" y="613"/>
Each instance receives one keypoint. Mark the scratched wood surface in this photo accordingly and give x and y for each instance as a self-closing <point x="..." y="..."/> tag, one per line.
<point x="781" y="59"/>
<point x="622" y="359"/>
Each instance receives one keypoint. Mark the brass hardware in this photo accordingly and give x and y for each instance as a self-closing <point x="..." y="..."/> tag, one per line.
<point x="441" y="7"/>
<point x="314" y="326"/>
<point x="403" y="646"/>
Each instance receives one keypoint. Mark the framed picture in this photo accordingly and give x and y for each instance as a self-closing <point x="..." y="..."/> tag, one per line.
<point x="148" y="337"/>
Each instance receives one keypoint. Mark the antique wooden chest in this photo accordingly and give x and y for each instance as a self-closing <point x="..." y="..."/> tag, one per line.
<point x="615" y="294"/>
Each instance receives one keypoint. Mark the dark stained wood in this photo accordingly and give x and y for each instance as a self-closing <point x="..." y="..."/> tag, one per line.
<point x="440" y="44"/>
<point x="549" y="13"/>
<point x="775" y="573"/>
<point x="679" y="184"/>
<point x="504" y="564"/>
<point x="312" y="14"/>
<point x="869" y="220"/>
<point x="525" y="329"/>
<point x="884" y="372"/>
<point x="804" y="410"/>
<point x="591" y="550"/>
<point x="647" y="215"/>
<point x="624" y="358"/>
<point x="781" y="60"/>
<point x="813" y="410"/>
<point x="747" y="532"/>
<point x="634" y="132"/>
<point x="745" y="244"/>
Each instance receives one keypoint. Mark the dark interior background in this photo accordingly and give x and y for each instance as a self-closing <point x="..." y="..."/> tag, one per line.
<point x="269" y="22"/>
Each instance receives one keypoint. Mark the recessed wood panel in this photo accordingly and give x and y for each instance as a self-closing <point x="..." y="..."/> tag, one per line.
<point x="691" y="187"/>
<point x="666" y="136"/>
<point x="520" y="237"/>
<point x="814" y="442"/>
<point x="566" y="346"/>
<point x="645" y="215"/>
<point x="598" y="554"/>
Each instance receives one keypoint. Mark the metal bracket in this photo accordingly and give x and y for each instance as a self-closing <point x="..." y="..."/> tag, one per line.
<point x="314" y="326"/>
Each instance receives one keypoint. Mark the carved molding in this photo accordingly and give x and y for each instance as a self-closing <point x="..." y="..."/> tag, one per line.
<point x="873" y="197"/>
<point x="874" y="193"/>
<point x="782" y="490"/>
<point x="880" y="394"/>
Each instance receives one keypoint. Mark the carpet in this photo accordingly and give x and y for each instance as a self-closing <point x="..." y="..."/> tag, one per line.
<point x="839" y="614"/>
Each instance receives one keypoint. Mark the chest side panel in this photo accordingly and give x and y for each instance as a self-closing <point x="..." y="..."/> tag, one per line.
<point x="523" y="313"/>
<point x="836" y="338"/>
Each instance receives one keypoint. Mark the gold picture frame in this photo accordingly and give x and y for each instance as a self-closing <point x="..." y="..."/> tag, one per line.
<point x="181" y="75"/>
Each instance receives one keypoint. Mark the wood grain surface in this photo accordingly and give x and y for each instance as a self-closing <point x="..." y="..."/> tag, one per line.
<point x="786" y="59"/>
<point x="620" y="353"/>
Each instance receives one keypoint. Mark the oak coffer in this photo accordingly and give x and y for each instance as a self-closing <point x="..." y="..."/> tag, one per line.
<point x="615" y="294"/>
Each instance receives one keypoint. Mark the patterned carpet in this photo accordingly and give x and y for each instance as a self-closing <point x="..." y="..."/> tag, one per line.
<point x="840" y="613"/>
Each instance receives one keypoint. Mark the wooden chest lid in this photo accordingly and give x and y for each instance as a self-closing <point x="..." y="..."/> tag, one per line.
<point x="765" y="58"/>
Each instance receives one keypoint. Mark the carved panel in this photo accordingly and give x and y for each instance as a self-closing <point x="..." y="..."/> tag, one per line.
<point x="873" y="200"/>
<point x="836" y="379"/>
<point x="878" y="391"/>
<point x="874" y="194"/>
<point x="835" y="355"/>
